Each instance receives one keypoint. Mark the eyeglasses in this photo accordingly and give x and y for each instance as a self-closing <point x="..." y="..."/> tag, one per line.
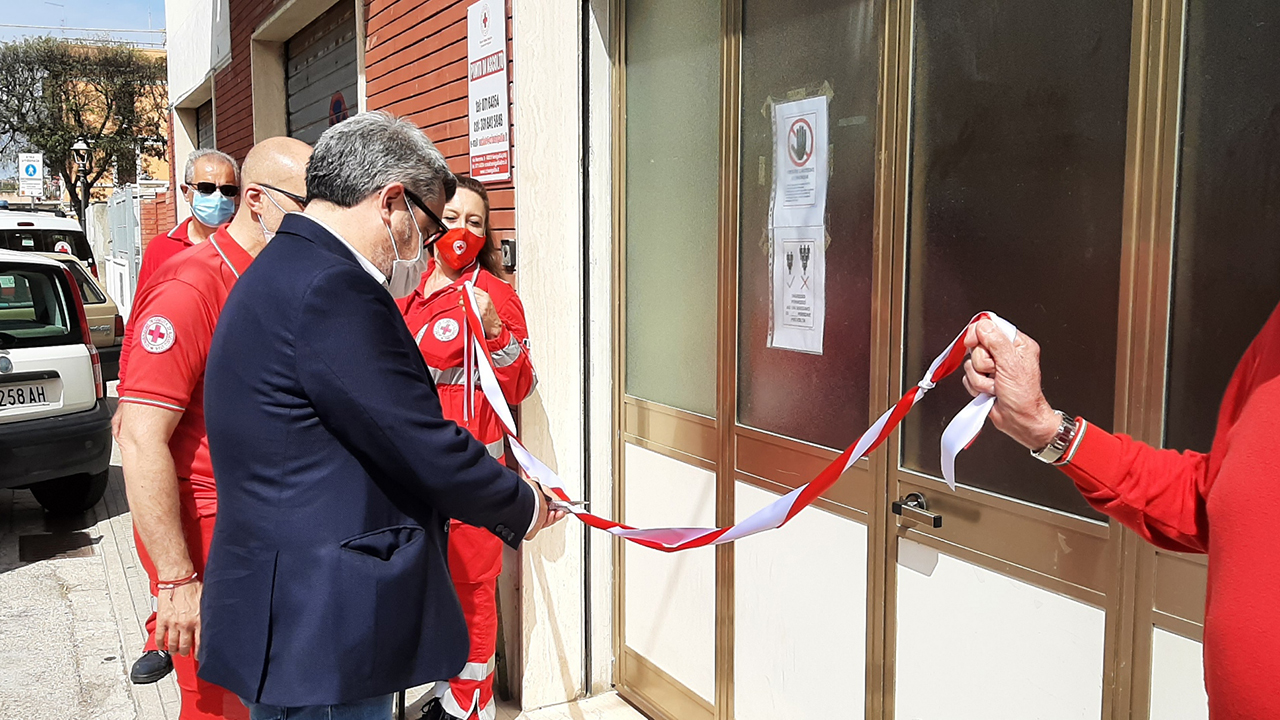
<point x="292" y="196"/>
<point x="440" y="228"/>
<point x="208" y="188"/>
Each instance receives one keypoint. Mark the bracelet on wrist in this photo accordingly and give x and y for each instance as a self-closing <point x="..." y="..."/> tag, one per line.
<point x="175" y="584"/>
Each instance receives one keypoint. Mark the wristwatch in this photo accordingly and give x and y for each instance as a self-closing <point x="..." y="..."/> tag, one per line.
<point x="1054" y="451"/>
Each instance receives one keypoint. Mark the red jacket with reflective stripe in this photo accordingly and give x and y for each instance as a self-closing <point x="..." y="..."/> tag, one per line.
<point x="436" y="323"/>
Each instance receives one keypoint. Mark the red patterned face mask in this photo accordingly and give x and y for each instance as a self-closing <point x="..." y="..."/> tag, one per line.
<point x="459" y="247"/>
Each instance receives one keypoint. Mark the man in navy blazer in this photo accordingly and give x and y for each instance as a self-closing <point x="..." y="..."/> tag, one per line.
<point x="326" y="588"/>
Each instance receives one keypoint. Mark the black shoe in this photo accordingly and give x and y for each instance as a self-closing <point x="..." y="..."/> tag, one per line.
<point x="151" y="667"/>
<point x="434" y="710"/>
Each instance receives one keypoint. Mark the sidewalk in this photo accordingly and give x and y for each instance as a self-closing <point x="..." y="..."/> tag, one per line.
<point x="73" y="603"/>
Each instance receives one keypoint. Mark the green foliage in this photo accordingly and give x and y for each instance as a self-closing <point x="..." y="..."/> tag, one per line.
<point x="54" y="93"/>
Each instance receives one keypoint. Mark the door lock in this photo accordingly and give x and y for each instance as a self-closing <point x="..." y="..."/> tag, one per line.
<point x="914" y="507"/>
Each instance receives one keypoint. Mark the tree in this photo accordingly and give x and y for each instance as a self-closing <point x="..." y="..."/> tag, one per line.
<point x="54" y="93"/>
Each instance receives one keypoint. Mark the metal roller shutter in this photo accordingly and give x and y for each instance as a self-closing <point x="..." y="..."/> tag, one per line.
<point x="204" y="126"/>
<point x="320" y="73"/>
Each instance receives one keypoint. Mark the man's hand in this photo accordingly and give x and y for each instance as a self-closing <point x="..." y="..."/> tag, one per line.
<point x="488" y="314"/>
<point x="178" y="619"/>
<point x="1010" y="370"/>
<point x="547" y="515"/>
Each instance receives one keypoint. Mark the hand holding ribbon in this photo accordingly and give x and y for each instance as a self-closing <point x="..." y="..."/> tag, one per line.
<point x="958" y="435"/>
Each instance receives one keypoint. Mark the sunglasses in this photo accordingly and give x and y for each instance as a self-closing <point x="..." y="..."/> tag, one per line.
<point x="441" y="229"/>
<point x="208" y="188"/>
<point x="292" y="196"/>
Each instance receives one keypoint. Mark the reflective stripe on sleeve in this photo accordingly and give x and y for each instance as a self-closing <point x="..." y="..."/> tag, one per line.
<point x="496" y="450"/>
<point x="507" y="355"/>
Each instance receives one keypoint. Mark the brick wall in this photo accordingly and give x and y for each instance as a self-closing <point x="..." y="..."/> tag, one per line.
<point x="159" y="214"/>
<point x="416" y="67"/>
<point x="232" y="86"/>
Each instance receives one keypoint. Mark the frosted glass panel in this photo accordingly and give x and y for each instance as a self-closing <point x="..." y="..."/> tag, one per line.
<point x="1017" y="195"/>
<point x="824" y="398"/>
<point x="672" y="166"/>
<point x="1228" y="208"/>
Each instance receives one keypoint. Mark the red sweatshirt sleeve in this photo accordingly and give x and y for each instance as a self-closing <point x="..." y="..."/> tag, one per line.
<point x="1159" y="494"/>
<point x="510" y="353"/>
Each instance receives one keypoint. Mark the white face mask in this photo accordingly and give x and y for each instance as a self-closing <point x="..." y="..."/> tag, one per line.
<point x="405" y="274"/>
<point x="268" y="234"/>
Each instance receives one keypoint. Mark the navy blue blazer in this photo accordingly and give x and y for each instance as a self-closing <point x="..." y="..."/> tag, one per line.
<point x="337" y="474"/>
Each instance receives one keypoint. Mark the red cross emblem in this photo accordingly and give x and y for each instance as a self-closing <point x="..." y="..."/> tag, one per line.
<point x="157" y="334"/>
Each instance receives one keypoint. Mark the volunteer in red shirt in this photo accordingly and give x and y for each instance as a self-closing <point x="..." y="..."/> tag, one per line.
<point x="211" y="185"/>
<point x="435" y="317"/>
<point x="1215" y="503"/>
<point x="165" y="451"/>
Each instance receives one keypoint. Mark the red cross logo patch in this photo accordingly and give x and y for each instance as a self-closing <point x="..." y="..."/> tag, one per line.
<point x="157" y="334"/>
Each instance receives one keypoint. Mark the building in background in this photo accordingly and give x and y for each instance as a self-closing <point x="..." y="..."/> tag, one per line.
<point x="1094" y="183"/>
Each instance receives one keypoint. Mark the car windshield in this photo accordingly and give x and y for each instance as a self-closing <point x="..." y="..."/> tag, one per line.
<point x="71" y="242"/>
<point x="35" y="310"/>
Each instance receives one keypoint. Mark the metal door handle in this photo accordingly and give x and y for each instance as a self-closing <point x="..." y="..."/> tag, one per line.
<point x="914" y="507"/>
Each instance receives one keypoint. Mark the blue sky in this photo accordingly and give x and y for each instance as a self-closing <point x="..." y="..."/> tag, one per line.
<point x="109" y="14"/>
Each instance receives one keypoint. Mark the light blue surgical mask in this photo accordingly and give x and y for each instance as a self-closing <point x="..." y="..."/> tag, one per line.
<point x="212" y="210"/>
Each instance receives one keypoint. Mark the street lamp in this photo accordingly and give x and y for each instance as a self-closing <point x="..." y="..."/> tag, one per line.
<point x="80" y="151"/>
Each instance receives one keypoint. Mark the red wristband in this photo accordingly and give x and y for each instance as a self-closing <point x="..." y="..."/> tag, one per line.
<point x="175" y="584"/>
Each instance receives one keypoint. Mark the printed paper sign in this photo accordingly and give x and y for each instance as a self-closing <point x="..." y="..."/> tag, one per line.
<point x="799" y="163"/>
<point x="797" y="218"/>
<point x="487" y="113"/>
<point x="799" y="289"/>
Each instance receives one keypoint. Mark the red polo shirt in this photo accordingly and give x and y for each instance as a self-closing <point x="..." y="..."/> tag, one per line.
<point x="175" y="315"/>
<point x="159" y="250"/>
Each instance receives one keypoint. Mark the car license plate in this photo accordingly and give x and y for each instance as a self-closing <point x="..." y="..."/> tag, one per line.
<point x="25" y="394"/>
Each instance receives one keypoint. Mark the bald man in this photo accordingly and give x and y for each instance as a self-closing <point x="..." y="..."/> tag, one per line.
<point x="161" y="431"/>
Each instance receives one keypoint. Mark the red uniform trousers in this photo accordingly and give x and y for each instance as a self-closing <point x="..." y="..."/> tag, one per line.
<point x="200" y="700"/>
<point x="475" y="561"/>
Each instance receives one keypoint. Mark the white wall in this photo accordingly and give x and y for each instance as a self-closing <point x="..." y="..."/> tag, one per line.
<point x="198" y="39"/>
<point x="800" y="618"/>
<point x="1177" y="678"/>
<point x="670" y="611"/>
<point x="547" y="173"/>
<point x="975" y="645"/>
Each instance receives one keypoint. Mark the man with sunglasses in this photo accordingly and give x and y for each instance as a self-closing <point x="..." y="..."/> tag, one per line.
<point x="210" y="184"/>
<point x="168" y="475"/>
<point x="327" y="588"/>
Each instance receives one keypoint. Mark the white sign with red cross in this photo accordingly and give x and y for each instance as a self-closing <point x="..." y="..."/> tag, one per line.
<point x="488" y="122"/>
<point x="157" y="334"/>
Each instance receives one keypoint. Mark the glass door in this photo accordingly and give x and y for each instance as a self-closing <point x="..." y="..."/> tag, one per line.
<point x="1014" y="201"/>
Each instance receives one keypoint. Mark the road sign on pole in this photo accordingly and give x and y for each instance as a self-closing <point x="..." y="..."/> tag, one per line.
<point x="31" y="174"/>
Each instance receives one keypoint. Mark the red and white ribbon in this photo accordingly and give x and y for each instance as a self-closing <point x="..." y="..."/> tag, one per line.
<point x="959" y="433"/>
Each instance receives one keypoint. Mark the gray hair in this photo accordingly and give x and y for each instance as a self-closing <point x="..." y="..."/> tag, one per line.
<point x="363" y="154"/>
<point x="189" y="172"/>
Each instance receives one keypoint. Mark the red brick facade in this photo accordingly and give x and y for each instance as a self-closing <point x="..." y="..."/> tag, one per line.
<point x="416" y="67"/>
<point x="233" y="85"/>
<point x="159" y="214"/>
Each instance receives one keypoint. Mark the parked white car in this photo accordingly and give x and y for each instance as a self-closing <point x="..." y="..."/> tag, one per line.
<point x="47" y="233"/>
<point x="55" y="426"/>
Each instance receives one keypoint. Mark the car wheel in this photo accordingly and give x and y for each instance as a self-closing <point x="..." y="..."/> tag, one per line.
<point x="70" y="495"/>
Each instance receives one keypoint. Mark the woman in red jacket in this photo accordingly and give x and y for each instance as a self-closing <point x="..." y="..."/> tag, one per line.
<point x="434" y="313"/>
